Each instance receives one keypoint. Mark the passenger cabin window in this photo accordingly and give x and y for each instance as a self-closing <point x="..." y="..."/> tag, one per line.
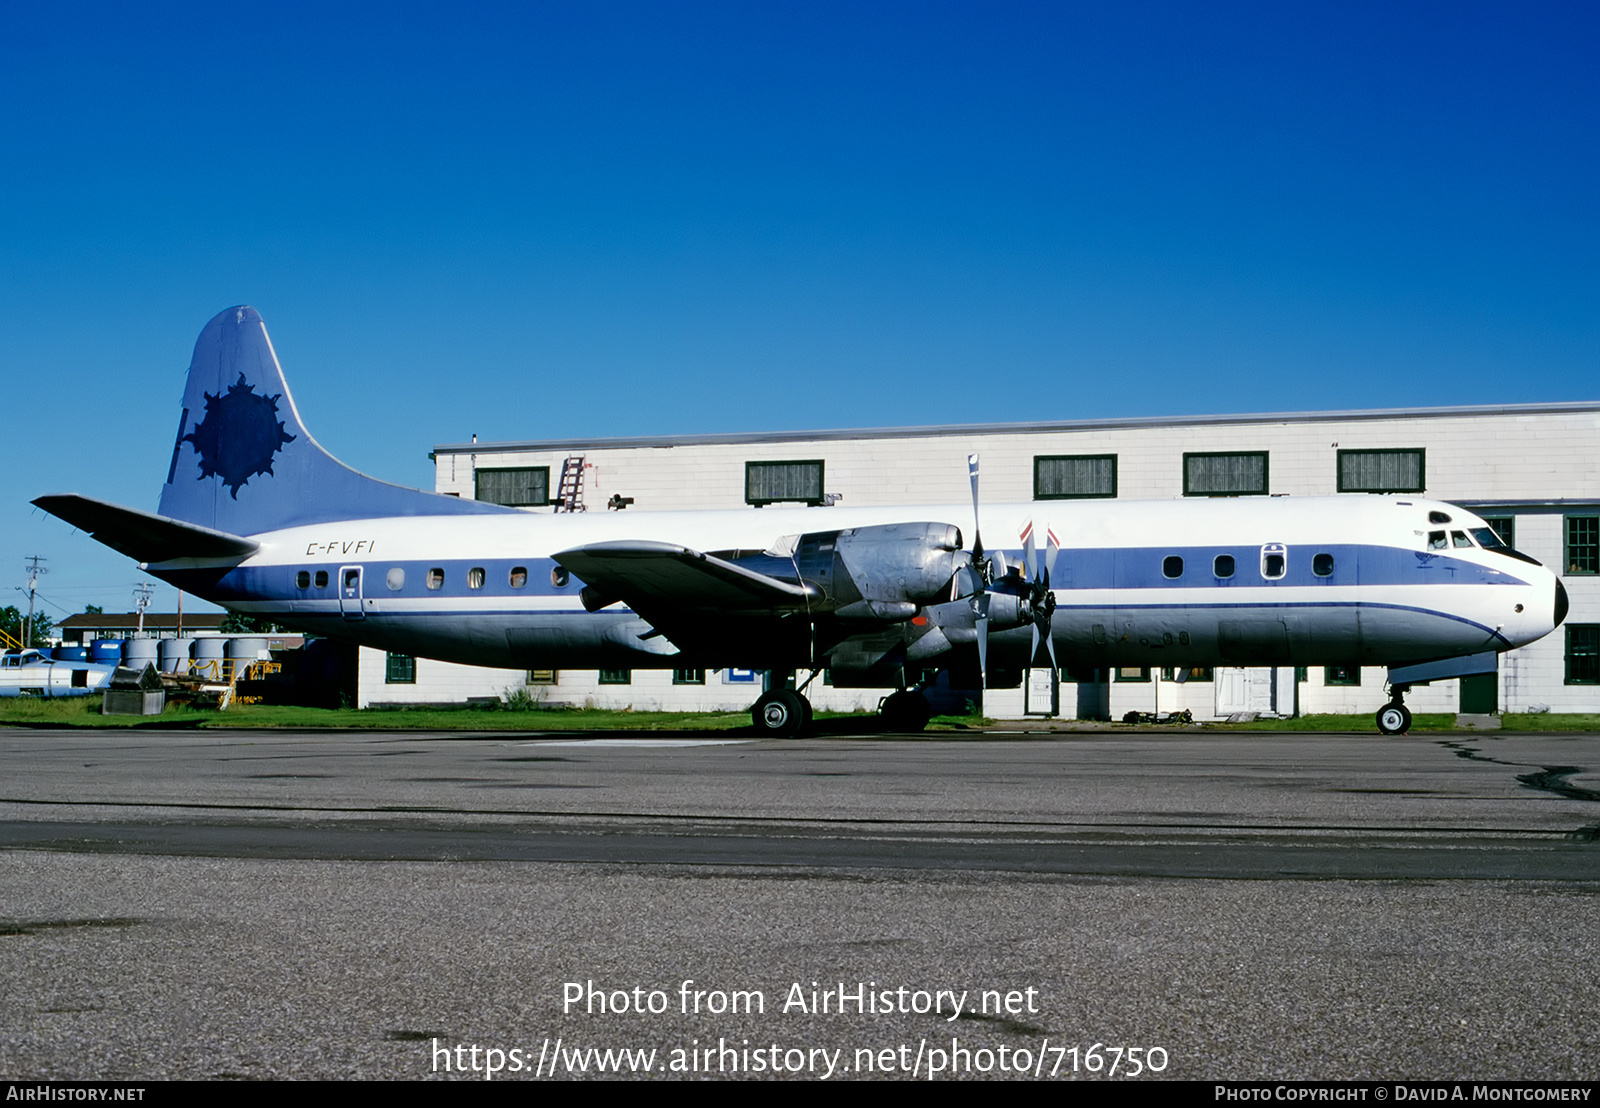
<point x="1322" y="565"/>
<point x="1172" y="567"/>
<point x="1225" y="474"/>
<point x="559" y="577"/>
<point x="1383" y="471"/>
<point x="322" y="578"/>
<point x="395" y="579"/>
<point x="779" y="482"/>
<point x="519" y="577"/>
<point x="518" y="488"/>
<point x="436" y="578"/>
<point x="1274" y="561"/>
<point x="1074" y="476"/>
<point x="1222" y="566"/>
<point x="302" y="580"/>
<point x="475" y="577"/>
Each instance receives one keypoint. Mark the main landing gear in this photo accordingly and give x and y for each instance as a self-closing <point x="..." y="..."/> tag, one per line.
<point x="781" y="714"/>
<point x="1394" y="718"/>
<point x="906" y="710"/>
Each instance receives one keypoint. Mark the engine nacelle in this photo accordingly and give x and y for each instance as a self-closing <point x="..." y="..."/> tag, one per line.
<point x="881" y="572"/>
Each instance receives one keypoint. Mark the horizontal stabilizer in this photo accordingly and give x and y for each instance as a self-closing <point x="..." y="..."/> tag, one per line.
<point x="144" y="535"/>
<point x="658" y="575"/>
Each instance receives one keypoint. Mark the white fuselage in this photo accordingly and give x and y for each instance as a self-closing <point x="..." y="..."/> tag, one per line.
<point x="1348" y="580"/>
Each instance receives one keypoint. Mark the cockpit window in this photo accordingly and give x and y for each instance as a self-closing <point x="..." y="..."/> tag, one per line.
<point x="1436" y="540"/>
<point x="1438" y="517"/>
<point x="1459" y="539"/>
<point x="1487" y="538"/>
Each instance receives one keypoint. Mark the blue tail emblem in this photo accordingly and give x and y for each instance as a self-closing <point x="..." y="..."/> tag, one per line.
<point x="249" y="465"/>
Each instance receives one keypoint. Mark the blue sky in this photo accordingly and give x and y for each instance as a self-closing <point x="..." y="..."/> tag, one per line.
<point x="558" y="220"/>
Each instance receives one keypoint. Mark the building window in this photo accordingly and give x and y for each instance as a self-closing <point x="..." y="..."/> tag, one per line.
<point x="518" y="488"/>
<point x="400" y="669"/>
<point x="1583" y="654"/>
<point x="542" y="677"/>
<point x="1583" y="544"/>
<point x="1196" y="673"/>
<point x="1382" y="471"/>
<point x="1133" y="673"/>
<point x="772" y="482"/>
<point x="616" y="677"/>
<point x="1341" y="675"/>
<point x="1074" y="476"/>
<point x="1225" y="474"/>
<point x="1085" y="675"/>
<point x="688" y="677"/>
<point x="1505" y="527"/>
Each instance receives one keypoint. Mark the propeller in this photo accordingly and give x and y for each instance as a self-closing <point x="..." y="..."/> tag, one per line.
<point x="980" y="567"/>
<point x="1027" y="598"/>
<point x="1041" y="601"/>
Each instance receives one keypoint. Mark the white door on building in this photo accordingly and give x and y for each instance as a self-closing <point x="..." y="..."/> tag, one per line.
<point x="1244" y="690"/>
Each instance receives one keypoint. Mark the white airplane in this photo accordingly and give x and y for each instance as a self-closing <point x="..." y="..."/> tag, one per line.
<point x="257" y="517"/>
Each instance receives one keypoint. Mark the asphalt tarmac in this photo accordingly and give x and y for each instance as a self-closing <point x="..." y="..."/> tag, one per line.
<point x="1201" y="905"/>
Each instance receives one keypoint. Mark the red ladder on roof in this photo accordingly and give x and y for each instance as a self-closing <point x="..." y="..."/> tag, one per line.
<point x="570" y="496"/>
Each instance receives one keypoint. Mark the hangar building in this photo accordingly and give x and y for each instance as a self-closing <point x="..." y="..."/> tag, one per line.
<point x="1533" y="470"/>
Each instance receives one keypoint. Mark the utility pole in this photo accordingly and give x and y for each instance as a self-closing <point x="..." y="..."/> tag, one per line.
<point x="34" y="570"/>
<point x="141" y="601"/>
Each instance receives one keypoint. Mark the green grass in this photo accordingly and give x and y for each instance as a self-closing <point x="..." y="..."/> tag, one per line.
<point x="85" y="712"/>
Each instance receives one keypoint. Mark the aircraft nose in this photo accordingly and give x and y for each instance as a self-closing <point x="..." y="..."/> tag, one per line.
<point x="1561" y="603"/>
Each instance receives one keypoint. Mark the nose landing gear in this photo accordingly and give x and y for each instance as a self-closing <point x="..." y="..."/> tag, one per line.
<point x="1394" y="718"/>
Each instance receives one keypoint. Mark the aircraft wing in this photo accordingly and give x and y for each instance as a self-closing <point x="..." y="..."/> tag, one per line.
<point x="670" y="580"/>
<point x="145" y="536"/>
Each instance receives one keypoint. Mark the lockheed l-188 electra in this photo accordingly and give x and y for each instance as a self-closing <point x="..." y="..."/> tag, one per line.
<point x="256" y="516"/>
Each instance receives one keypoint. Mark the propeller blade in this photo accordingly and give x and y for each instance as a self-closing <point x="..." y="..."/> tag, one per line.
<point x="1030" y="557"/>
<point x="1000" y="567"/>
<point x="977" y="531"/>
<point x="983" y="650"/>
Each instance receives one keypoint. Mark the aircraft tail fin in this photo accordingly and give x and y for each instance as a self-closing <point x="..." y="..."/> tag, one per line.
<point x="244" y="463"/>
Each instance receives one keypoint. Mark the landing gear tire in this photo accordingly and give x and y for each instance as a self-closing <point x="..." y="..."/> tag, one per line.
<point x="905" y="711"/>
<point x="781" y="714"/>
<point x="1394" y="719"/>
